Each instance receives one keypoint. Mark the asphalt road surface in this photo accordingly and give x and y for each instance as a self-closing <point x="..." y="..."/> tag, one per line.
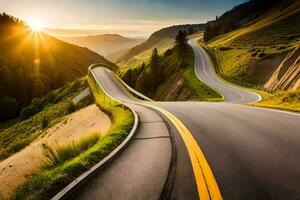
<point x="205" y="72"/>
<point x="254" y="153"/>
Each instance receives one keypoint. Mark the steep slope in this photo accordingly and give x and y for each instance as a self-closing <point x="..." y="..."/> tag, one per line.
<point x="162" y="40"/>
<point x="170" y="77"/>
<point x="251" y="54"/>
<point x="287" y="75"/>
<point x="32" y="63"/>
<point x="104" y="44"/>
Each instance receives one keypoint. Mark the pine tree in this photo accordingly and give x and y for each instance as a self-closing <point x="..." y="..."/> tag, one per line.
<point x="181" y="38"/>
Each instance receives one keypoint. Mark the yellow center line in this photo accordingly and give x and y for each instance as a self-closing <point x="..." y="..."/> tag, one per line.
<point x="206" y="183"/>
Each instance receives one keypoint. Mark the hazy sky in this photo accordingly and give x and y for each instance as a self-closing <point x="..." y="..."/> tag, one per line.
<point x="127" y="17"/>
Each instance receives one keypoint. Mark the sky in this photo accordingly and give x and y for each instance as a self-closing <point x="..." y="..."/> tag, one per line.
<point x="132" y="18"/>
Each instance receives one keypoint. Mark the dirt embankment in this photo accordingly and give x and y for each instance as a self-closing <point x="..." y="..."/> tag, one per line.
<point x="287" y="75"/>
<point x="13" y="170"/>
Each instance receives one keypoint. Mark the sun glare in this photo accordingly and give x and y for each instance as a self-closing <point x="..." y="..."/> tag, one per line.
<point x="35" y="25"/>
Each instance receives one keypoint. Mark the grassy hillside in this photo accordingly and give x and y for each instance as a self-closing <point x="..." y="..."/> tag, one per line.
<point x="170" y="77"/>
<point x="65" y="163"/>
<point x="252" y="53"/>
<point x="263" y="52"/>
<point x="42" y="113"/>
<point x="237" y="17"/>
<point x="285" y="100"/>
<point x="161" y="40"/>
<point x="104" y="44"/>
<point x="31" y="64"/>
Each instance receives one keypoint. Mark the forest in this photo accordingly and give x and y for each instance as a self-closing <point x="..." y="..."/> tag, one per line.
<point x="234" y="18"/>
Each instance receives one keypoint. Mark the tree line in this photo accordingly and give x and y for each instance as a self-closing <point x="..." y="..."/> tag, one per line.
<point x="231" y="20"/>
<point x="148" y="77"/>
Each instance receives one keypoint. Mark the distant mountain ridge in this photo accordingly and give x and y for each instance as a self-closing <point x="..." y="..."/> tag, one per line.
<point x="32" y="64"/>
<point x="103" y="44"/>
<point x="161" y="39"/>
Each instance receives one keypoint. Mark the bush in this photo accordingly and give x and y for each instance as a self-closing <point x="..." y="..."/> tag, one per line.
<point x="28" y="111"/>
<point x="70" y="107"/>
<point x="45" y="123"/>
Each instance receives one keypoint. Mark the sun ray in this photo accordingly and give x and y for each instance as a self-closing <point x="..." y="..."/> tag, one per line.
<point x="35" y="25"/>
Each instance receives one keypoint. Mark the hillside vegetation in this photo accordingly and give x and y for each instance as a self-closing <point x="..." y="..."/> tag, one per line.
<point x="170" y="76"/>
<point x="252" y="53"/>
<point x="42" y="113"/>
<point x="285" y="100"/>
<point x="32" y="64"/>
<point x="162" y="40"/>
<point x="106" y="44"/>
<point x="65" y="163"/>
<point x="237" y="17"/>
<point x="262" y="51"/>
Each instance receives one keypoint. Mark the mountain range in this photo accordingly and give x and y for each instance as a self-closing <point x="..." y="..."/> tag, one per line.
<point x="104" y="44"/>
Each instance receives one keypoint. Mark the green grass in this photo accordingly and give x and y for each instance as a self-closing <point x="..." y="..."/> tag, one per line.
<point x="178" y="82"/>
<point x="58" y="154"/>
<point x="249" y="55"/>
<point x="144" y="56"/>
<point x="281" y="100"/>
<point x="201" y="91"/>
<point x="21" y="134"/>
<point x="284" y="100"/>
<point x="71" y="160"/>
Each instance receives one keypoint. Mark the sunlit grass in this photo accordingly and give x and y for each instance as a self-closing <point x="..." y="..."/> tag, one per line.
<point x="57" y="154"/>
<point x="282" y="100"/>
<point x="66" y="162"/>
<point x="53" y="107"/>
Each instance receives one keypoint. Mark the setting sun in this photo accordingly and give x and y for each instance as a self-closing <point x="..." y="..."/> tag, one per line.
<point x="35" y="25"/>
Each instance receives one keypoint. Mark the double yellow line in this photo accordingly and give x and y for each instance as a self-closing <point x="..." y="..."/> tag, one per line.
<point x="206" y="183"/>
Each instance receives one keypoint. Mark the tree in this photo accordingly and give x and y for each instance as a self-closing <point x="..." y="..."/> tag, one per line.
<point x="152" y="76"/>
<point x="181" y="38"/>
<point x="154" y="62"/>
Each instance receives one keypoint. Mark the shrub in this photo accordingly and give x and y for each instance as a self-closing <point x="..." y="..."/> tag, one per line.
<point x="45" y="123"/>
<point x="70" y="107"/>
<point x="28" y="111"/>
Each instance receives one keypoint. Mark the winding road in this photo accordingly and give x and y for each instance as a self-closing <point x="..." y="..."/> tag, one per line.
<point x="222" y="150"/>
<point x="205" y="73"/>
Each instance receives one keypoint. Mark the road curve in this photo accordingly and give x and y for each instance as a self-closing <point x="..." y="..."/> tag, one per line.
<point x="205" y="72"/>
<point x="253" y="152"/>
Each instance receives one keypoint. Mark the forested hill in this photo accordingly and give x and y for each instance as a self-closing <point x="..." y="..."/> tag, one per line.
<point x="160" y="35"/>
<point x="32" y="63"/>
<point x="238" y="17"/>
